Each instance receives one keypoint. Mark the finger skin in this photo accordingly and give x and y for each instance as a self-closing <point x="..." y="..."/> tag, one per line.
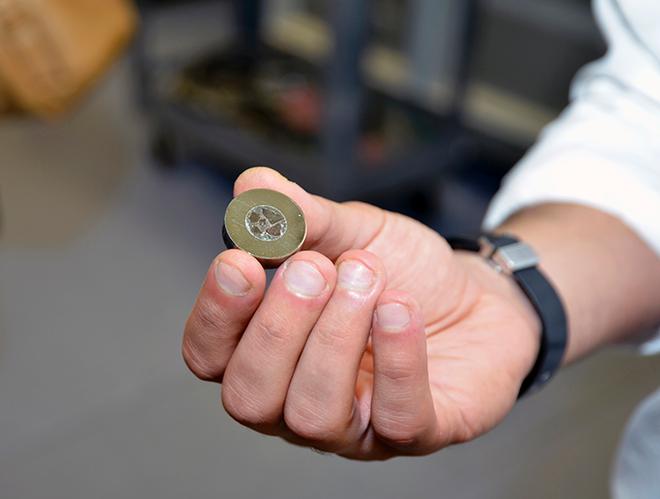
<point x="321" y="403"/>
<point x="260" y="370"/>
<point x="402" y="411"/>
<point x="332" y="228"/>
<point x="219" y="317"/>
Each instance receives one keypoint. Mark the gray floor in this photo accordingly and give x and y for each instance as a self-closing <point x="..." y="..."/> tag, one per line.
<point x="100" y="259"/>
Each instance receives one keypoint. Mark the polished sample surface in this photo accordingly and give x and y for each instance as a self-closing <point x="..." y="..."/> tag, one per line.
<point x="265" y="223"/>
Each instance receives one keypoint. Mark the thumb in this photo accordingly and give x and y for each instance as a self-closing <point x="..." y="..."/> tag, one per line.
<point x="332" y="228"/>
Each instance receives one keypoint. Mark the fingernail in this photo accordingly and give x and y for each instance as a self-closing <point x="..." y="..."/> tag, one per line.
<point x="231" y="280"/>
<point x="355" y="276"/>
<point x="392" y="316"/>
<point x="304" y="279"/>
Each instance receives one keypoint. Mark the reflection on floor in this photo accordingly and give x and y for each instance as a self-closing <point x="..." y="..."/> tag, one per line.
<point x="99" y="263"/>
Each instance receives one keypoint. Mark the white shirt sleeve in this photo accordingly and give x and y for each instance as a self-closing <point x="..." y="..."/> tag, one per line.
<point x="604" y="150"/>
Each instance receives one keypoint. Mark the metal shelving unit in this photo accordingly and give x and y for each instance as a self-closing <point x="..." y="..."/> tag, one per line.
<point x="432" y="70"/>
<point x="336" y="170"/>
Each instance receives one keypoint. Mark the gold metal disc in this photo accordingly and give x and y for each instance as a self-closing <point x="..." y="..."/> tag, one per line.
<point x="267" y="224"/>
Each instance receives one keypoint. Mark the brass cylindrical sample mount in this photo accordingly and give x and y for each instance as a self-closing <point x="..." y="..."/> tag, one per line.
<point x="266" y="224"/>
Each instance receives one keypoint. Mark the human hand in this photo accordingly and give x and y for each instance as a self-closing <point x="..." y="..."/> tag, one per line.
<point x="378" y="340"/>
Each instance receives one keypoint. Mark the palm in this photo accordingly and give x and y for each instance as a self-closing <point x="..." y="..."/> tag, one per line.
<point x="471" y="322"/>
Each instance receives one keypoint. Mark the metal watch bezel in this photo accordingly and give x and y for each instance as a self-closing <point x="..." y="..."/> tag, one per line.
<point x="508" y="258"/>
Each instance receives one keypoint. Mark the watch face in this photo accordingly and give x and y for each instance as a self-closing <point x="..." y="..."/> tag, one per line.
<point x="267" y="224"/>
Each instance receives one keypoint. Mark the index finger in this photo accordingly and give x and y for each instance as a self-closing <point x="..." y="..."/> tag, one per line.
<point x="232" y="291"/>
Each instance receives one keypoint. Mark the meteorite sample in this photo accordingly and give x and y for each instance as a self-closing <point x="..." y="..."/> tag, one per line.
<point x="267" y="224"/>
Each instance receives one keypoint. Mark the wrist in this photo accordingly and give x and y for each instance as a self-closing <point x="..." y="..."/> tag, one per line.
<point x="527" y="345"/>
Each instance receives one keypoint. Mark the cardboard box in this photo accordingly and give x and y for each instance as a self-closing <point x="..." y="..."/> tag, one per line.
<point x="51" y="51"/>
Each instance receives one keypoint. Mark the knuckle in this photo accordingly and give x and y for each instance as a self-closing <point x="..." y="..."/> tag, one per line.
<point x="199" y="364"/>
<point x="312" y="426"/>
<point x="207" y="317"/>
<point x="244" y="407"/>
<point x="398" y="433"/>
<point x="400" y="372"/>
<point x="332" y="338"/>
<point x="273" y="331"/>
<point x="370" y="209"/>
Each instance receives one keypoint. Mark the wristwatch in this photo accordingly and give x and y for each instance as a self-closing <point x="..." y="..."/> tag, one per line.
<point x="508" y="255"/>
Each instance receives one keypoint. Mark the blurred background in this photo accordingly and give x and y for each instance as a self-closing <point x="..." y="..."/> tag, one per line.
<point x="123" y="126"/>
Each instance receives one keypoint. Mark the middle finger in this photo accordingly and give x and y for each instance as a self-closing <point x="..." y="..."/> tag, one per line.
<point x="258" y="374"/>
<point x="321" y="404"/>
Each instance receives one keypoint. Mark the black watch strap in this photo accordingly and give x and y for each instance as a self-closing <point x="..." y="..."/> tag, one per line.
<point x="507" y="254"/>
